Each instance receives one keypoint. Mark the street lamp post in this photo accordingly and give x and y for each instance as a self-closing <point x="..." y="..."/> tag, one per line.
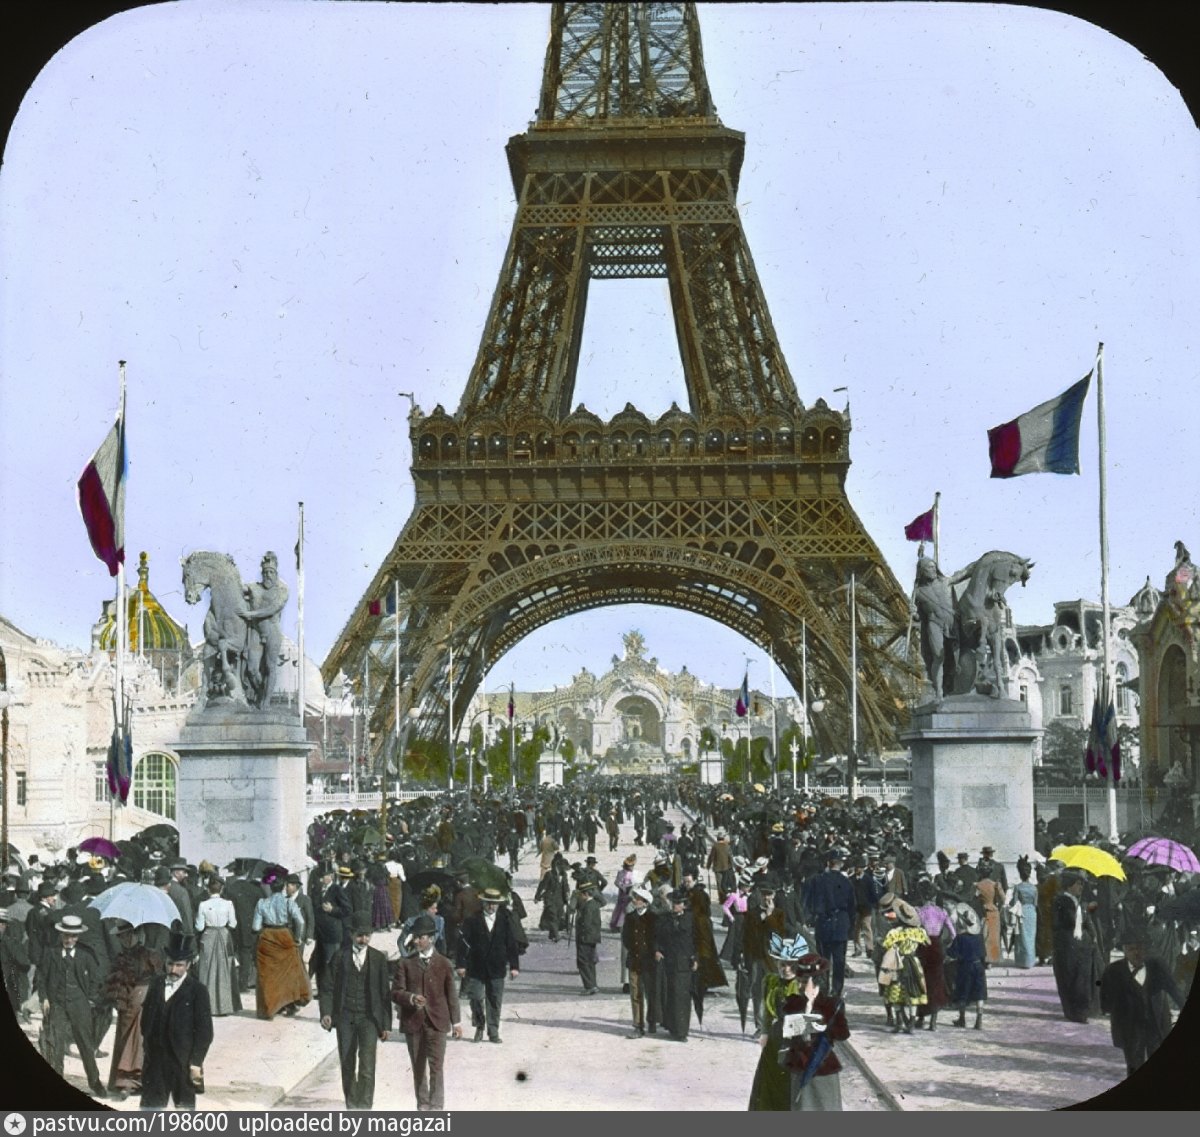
<point x="795" y="753"/>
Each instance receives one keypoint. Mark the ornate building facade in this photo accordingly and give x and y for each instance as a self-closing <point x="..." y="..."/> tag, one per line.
<point x="638" y="716"/>
<point x="1167" y="640"/>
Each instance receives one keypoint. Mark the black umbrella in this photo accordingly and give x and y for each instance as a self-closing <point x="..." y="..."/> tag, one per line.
<point x="742" y="993"/>
<point x="418" y="882"/>
<point x="1185" y="907"/>
<point x="698" y="993"/>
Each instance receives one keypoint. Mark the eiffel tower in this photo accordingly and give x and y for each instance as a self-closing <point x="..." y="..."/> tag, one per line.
<point x="528" y="510"/>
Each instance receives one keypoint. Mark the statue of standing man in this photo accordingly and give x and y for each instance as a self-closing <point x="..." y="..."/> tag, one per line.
<point x="265" y="639"/>
<point x="934" y="600"/>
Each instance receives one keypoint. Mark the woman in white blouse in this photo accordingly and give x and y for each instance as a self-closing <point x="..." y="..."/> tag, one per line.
<point x="218" y="958"/>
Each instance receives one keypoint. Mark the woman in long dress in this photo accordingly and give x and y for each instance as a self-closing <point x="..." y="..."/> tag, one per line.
<point x="771" y="1089"/>
<point x="215" y="919"/>
<point x="125" y="987"/>
<point x="1025" y="907"/>
<point x="991" y="897"/>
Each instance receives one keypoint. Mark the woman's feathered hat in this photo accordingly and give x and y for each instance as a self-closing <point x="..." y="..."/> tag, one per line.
<point x="787" y="951"/>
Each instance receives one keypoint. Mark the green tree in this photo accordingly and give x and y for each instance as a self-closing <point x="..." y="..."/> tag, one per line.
<point x="1064" y="745"/>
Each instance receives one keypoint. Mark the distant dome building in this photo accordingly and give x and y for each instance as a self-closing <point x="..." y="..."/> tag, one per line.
<point x="152" y="634"/>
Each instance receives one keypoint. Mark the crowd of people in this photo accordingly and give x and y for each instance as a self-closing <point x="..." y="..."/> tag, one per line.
<point x="774" y="896"/>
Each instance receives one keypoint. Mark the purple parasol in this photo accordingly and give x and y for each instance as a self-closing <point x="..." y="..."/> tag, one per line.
<point x="1163" y="851"/>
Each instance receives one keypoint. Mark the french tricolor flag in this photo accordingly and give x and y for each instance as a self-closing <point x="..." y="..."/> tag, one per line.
<point x="102" y="498"/>
<point x="1044" y="440"/>
<point x="743" y="700"/>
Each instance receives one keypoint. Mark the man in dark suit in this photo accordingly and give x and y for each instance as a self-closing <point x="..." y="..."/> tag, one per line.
<point x="833" y="907"/>
<point x="638" y="938"/>
<point x="177" y="1030"/>
<point x="675" y="954"/>
<point x="586" y="907"/>
<point x="331" y="916"/>
<point x="426" y="991"/>
<point x="1134" y="993"/>
<point x="68" y="983"/>
<point x="304" y="902"/>
<point x="178" y="891"/>
<point x="487" y="946"/>
<point x="355" y="1000"/>
<point x="40" y="921"/>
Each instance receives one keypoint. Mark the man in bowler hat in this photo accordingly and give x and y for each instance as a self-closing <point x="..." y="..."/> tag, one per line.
<point x="1134" y="993"/>
<point x="177" y="1030"/>
<point x="355" y="1000"/>
<point x="834" y="908"/>
<point x="586" y="906"/>
<point x="426" y="991"/>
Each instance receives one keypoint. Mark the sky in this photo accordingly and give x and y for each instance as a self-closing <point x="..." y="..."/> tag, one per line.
<point x="283" y="214"/>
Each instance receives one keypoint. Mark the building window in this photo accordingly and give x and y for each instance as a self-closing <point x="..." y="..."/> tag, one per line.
<point x="1064" y="700"/>
<point x="22" y="795"/>
<point x="1025" y="693"/>
<point x="1122" y="690"/>
<point x="101" y="781"/>
<point x="154" y="785"/>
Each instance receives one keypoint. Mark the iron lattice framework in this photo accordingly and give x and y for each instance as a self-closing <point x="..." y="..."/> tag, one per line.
<point x="527" y="511"/>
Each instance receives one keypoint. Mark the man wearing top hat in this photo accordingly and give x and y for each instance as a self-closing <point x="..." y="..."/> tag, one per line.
<point x="40" y="921"/>
<point x="425" y="990"/>
<point x="965" y="877"/>
<point x="177" y="1030"/>
<point x="585" y="905"/>
<point x="764" y="919"/>
<point x="487" y="947"/>
<point x="356" y="1001"/>
<point x="590" y="872"/>
<point x="68" y="984"/>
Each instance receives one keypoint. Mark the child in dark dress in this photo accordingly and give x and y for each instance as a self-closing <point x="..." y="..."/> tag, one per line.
<point x="970" y="952"/>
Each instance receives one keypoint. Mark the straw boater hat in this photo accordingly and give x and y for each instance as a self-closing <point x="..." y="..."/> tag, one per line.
<point x="492" y="896"/>
<point x="585" y="886"/>
<point x="777" y="827"/>
<point x="346" y="872"/>
<point x="71" y="925"/>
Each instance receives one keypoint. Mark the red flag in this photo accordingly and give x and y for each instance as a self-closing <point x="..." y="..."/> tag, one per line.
<point x="920" y="528"/>
<point x="102" y="498"/>
<point x="375" y="608"/>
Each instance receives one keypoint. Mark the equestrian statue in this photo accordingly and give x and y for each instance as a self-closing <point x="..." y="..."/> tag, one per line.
<point x="242" y="638"/>
<point x="962" y="628"/>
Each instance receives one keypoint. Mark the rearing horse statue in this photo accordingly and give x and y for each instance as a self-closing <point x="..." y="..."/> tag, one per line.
<point x="981" y="611"/>
<point x="224" y="624"/>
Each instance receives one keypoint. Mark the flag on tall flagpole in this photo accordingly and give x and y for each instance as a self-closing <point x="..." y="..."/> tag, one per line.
<point x="1044" y="440"/>
<point x="742" y="706"/>
<point x="1103" y="754"/>
<point x="102" y="496"/>
<point x="920" y="528"/>
<point x="119" y="767"/>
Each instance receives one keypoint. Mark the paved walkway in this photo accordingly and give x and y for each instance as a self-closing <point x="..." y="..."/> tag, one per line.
<point x="566" y="1051"/>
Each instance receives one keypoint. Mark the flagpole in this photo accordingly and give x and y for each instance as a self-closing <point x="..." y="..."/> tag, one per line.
<point x="937" y="560"/>
<point x="396" y="680"/>
<point x="803" y="699"/>
<point x="852" y="764"/>
<point x="1106" y="682"/>
<point x="122" y="644"/>
<point x="300" y="693"/>
<point x="512" y="733"/>
<point x="774" y="726"/>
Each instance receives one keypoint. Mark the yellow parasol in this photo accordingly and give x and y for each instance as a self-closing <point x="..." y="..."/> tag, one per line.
<point x="1090" y="859"/>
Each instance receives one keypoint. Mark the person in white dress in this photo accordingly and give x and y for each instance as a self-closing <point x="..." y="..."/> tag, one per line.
<point x="218" y="958"/>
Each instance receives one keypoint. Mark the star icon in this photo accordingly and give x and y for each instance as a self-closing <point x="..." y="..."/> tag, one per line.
<point x="14" y="1123"/>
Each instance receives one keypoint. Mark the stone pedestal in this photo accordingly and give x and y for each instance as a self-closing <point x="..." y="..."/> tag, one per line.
<point x="712" y="769"/>
<point x="972" y="778"/>
<point x="550" y="770"/>
<point x="241" y="787"/>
